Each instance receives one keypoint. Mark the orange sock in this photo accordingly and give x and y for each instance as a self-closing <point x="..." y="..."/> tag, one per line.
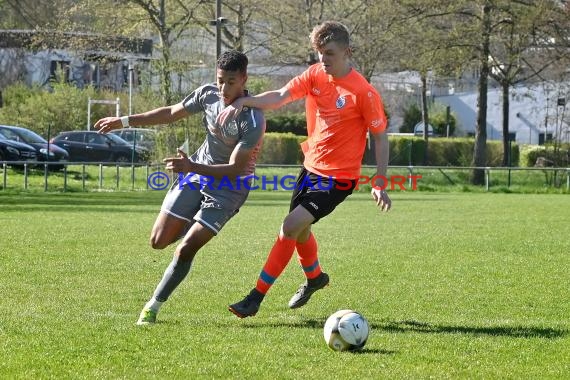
<point x="276" y="262"/>
<point x="308" y="258"/>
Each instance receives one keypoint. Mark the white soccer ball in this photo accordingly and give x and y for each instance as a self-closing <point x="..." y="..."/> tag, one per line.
<point x="346" y="330"/>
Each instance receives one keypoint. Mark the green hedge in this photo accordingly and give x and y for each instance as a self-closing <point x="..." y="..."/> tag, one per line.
<point x="530" y="153"/>
<point x="406" y="150"/>
<point x="442" y="152"/>
<point x="281" y="148"/>
<point x="287" y="123"/>
<point x="284" y="148"/>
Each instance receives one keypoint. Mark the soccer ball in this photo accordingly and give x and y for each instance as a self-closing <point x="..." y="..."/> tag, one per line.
<point x="346" y="330"/>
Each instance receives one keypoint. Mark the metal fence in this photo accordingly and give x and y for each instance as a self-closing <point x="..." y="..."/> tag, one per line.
<point x="29" y="169"/>
<point x="558" y="176"/>
<point x="114" y="176"/>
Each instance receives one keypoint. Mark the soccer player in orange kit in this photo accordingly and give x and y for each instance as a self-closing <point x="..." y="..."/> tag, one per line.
<point x="341" y="108"/>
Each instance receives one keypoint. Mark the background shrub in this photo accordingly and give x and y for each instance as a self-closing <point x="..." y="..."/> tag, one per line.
<point x="288" y="122"/>
<point x="408" y="150"/>
<point x="530" y="153"/>
<point x="64" y="108"/>
<point x="437" y="119"/>
<point x="281" y="148"/>
<point x="412" y="116"/>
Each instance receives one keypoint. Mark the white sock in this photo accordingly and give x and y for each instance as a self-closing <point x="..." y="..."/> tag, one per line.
<point x="153" y="304"/>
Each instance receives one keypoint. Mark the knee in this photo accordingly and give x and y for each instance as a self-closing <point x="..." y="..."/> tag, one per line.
<point x="157" y="242"/>
<point x="289" y="229"/>
<point x="185" y="252"/>
<point x="297" y="223"/>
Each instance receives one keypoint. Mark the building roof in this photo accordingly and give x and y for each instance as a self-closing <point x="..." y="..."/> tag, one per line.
<point x="37" y="40"/>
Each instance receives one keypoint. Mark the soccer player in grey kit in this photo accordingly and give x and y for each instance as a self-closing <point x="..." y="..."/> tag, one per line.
<point x="194" y="212"/>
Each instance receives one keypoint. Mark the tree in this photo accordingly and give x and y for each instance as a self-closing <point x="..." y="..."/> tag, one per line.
<point x="372" y="30"/>
<point x="283" y="29"/>
<point x="425" y="45"/>
<point x="238" y="14"/>
<point x="28" y="14"/>
<point x="481" y="31"/>
<point x="170" y="20"/>
<point x="526" y="43"/>
<point x="286" y="29"/>
<point x="468" y="27"/>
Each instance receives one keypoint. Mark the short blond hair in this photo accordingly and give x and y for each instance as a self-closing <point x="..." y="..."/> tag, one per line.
<point x="329" y="31"/>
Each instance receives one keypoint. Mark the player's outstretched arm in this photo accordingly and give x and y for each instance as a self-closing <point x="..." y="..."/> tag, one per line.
<point x="266" y="100"/>
<point x="161" y="115"/>
<point x="382" y="155"/>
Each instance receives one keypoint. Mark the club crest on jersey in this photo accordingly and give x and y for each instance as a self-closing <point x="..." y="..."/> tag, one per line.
<point x="340" y="102"/>
<point x="232" y="128"/>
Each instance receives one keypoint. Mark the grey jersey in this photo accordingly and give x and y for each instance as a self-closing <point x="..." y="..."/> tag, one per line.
<point x="246" y="131"/>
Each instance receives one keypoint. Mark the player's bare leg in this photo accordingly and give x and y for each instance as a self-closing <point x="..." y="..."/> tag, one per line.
<point x="297" y="223"/>
<point x="166" y="230"/>
<point x="176" y="272"/>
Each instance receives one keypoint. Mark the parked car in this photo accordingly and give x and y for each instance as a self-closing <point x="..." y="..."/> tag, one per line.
<point x="15" y="151"/>
<point x="144" y="137"/>
<point x="90" y="146"/>
<point x="23" y="135"/>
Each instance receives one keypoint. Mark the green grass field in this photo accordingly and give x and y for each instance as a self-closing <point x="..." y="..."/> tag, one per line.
<point x="454" y="285"/>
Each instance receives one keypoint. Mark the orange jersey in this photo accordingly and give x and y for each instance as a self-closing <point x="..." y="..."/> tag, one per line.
<point x="339" y="112"/>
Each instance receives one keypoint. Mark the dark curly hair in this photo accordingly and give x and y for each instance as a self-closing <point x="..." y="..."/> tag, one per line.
<point x="233" y="60"/>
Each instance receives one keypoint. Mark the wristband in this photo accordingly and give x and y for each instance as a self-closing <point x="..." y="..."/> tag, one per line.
<point x="125" y="121"/>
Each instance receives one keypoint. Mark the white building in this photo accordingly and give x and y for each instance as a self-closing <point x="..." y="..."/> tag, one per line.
<point x="536" y="113"/>
<point x="76" y="56"/>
